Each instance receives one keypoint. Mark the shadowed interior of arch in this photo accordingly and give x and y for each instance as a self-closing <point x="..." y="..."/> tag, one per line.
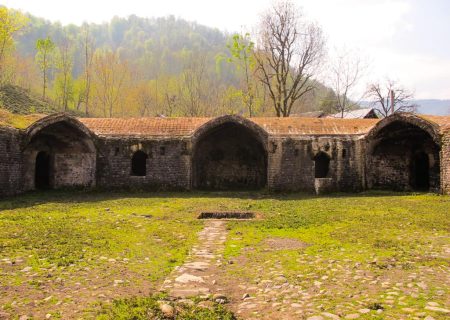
<point x="404" y="157"/>
<point x="229" y="156"/>
<point x="420" y="171"/>
<point x="66" y="157"/>
<point x="42" y="170"/>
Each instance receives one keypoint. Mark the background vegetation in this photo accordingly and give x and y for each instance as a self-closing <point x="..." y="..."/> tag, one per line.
<point x="138" y="67"/>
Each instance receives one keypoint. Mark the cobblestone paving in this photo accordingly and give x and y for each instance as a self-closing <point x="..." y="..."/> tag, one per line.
<point x="360" y="291"/>
<point x="197" y="276"/>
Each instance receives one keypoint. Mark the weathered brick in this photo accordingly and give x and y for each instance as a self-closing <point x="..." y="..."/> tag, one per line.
<point x="228" y="152"/>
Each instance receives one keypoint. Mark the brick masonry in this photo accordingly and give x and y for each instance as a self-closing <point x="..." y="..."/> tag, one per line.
<point x="10" y="161"/>
<point x="362" y="155"/>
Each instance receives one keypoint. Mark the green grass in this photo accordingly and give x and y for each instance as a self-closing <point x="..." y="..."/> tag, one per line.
<point x="18" y="121"/>
<point x="144" y="308"/>
<point x="388" y="237"/>
<point x="83" y="242"/>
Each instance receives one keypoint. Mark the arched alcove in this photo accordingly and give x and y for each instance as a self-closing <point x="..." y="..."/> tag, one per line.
<point x="404" y="154"/>
<point x="59" y="152"/>
<point x="229" y="155"/>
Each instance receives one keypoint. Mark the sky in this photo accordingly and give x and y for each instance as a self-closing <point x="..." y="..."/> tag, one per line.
<point x="404" y="40"/>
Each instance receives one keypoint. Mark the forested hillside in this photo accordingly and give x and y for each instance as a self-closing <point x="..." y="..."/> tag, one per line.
<point x="157" y="45"/>
<point x="136" y="67"/>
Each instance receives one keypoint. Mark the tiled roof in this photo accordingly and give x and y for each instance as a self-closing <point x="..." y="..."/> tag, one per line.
<point x="320" y="126"/>
<point x="143" y="126"/>
<point x="442" y="121"/>
<point x="186" y="126"/>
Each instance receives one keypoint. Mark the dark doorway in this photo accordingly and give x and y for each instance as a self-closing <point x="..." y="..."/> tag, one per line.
<point x="139" y="164"/>
<point x="421" y="171"/>
<point x="42" y="170"/>
<point x="230" y="157"/>
<point x="321" y="165"/>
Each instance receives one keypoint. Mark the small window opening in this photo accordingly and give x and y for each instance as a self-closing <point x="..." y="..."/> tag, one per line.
<point x="321" y="165"/>
<point x="162" y="151"/>
<point x="8" y="146"/>
<point x="139" y="164"/>
<point x="116" y="151"/>
<point x="344" y="153"/>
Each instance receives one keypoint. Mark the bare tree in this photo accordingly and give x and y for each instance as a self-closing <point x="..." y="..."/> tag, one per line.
<point x="288" y="52"/>
<point x="111" y="75"/>
<point x="193" y="83"/>
<point x="346" y="69"/>
<point x="390" y="97"/>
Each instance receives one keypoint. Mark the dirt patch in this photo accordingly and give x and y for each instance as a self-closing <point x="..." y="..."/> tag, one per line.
<point x="227" y="215"/>
<point x="71" y="296"/>
<point x="274" y="244"/>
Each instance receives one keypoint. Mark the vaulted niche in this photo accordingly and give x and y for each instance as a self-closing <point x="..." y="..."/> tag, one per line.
<point x="229" y="156"/>
<point x="404" y="156"/>
<point x="59" y="155"/>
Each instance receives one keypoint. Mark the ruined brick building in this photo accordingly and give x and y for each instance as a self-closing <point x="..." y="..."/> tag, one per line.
<point x="401" y="152"/>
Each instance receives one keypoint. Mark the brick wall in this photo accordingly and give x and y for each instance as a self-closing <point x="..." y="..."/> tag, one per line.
<point x="354" y="164"/>
<point x="168" y="163"/>
<point x="10" y="162"/>
<point x="74" y="170"/>
<point x="292" y="166"/>
<point x="445" y="163"/>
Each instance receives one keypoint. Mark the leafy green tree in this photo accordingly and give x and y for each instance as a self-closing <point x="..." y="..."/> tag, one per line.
<point x="79" y="92"/>
<point x="11" y="22"/>
<point x="241" y="50"/>
<point x="45" y="60"/>
<point x="64" y="80"/>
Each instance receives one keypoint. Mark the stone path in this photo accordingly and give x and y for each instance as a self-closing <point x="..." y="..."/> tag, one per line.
<point x="197" y="276"/>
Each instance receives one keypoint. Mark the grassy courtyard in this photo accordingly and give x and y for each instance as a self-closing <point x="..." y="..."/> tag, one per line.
<point x="73" y="255"/>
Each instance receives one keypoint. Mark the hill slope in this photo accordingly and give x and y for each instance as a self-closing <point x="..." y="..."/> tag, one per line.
<point x="18" y="100"/>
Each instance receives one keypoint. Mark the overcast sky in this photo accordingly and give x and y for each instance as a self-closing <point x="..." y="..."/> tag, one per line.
<point x="407" y="40"/>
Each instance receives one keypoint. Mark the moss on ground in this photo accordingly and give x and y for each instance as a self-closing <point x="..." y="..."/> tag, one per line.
<point x="113" y="246"/>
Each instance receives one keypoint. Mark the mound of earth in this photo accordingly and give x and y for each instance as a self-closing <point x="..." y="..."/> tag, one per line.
<point x="19" y="121"/>
<point x="18" y="100"/>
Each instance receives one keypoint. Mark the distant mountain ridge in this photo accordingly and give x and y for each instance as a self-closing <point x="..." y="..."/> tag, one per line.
<point x="433" y="106"/>
<point x="426" y="106"/>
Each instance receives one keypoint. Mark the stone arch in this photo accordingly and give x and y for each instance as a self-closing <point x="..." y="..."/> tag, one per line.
<point x="229" y="152"/>
<point x="69" y="148"/>
<point x="396" y="148"/>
